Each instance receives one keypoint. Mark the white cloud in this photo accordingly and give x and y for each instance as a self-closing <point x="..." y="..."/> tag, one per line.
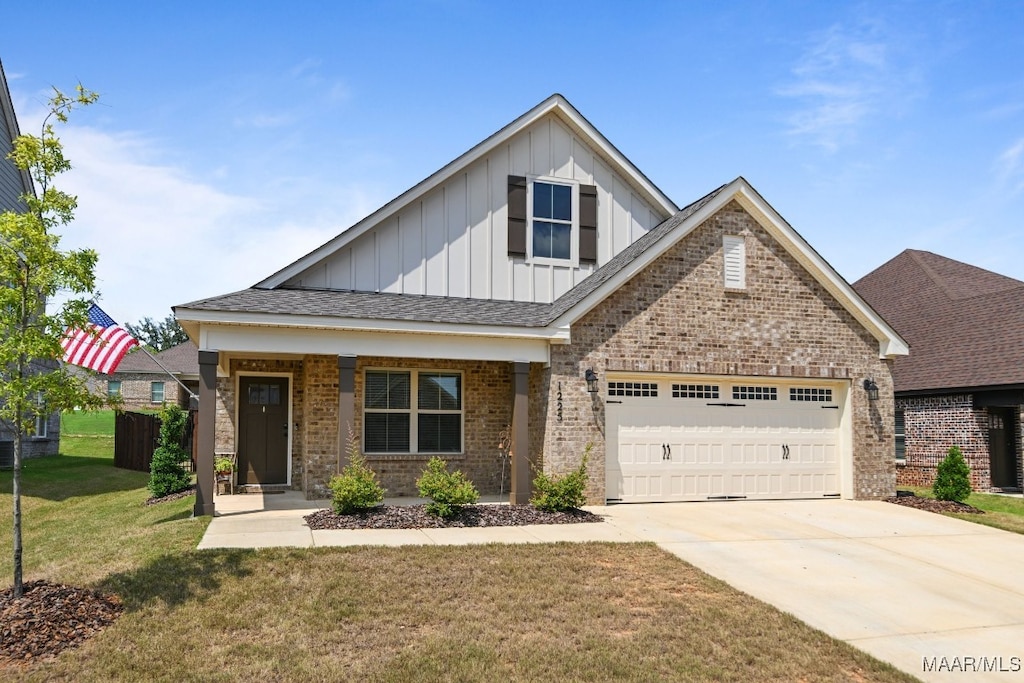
<point x="1010" y="168"/>
<point x="845" y="78"/>
<point x="165" y="238"/>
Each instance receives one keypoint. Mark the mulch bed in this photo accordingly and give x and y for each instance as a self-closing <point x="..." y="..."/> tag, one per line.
<point x="417" y="517"/>
<point x="174" y="496"/>
<point x="50" y="618"/>
<point x="932" y="505"/>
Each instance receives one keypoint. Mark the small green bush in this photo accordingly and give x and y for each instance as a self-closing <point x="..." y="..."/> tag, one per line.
<point x="447" y="490"/>
<point x="557" y="494"/>
<point x="356" y="487"/>
<point x="222" y="464"/>
<point x="166" y="475"/>
<point x="953" y="479"/>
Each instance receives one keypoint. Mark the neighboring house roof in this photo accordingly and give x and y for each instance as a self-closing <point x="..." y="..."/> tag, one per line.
<point x="418" y="313"/>
<point x="964" y="324"/>
<point x="182" y="359"/>
<point x="556" y="105"/>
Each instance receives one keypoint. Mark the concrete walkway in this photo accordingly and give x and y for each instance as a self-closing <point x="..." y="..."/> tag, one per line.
<point x="940" y="598"/>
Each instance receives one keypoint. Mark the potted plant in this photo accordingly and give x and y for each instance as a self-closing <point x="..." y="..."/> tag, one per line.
<point x="222" y="464"/>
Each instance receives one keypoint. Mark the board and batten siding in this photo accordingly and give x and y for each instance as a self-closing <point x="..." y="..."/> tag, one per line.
<point x="11" y="186"/>
<point x="453" y="240"/>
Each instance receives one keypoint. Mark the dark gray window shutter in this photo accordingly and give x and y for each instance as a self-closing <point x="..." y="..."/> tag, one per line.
<point x="588" y="223"/>
<point x="517" y="216"/>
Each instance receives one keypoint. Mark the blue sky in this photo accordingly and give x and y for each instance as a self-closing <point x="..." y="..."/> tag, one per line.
<point x="233" y="137"/>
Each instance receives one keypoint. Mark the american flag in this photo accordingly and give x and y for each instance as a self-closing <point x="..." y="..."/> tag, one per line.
<point x="100" y="346"/>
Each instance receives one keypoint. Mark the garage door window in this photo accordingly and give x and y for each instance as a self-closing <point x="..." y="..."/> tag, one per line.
<point x="755" y="393"/>
<point x="813" y="394"/>
<point x="643" y="389"/>
<point x="694" y="391"/>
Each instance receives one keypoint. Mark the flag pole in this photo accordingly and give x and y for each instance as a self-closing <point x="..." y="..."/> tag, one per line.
<point x="191" y="393"/>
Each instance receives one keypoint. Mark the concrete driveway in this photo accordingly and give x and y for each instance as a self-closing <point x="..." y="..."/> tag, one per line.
<point x="940" y="598"/>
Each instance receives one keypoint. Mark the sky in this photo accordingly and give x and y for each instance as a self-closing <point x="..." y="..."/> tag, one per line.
<point x="232" y="137"/>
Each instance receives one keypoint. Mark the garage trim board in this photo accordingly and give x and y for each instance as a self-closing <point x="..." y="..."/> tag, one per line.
<point x="695" y="438"/>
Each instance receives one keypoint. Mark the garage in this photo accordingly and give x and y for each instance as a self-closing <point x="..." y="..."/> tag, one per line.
<point x="700" y="438"/>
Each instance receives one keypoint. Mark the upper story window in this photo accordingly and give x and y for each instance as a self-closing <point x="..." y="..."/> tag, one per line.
<point x="552" y="220"/>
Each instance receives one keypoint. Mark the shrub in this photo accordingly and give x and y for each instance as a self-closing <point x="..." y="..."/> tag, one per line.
<point x="356" y="487"/>
<point x="557" y="494"/>
<point x="447" y="490"/>
<point x="166" y="475"/>
<point x="953" y="479"/>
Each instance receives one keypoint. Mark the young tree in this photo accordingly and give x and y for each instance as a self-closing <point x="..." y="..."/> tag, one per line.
<point x="33" y="270"/>
<point x="158" y="336"/>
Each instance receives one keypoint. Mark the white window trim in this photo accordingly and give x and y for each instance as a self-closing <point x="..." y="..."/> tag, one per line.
<point x="163" y="392"/>
<point x="119" y="387"/>
<point x="574" y="232"/>
<point x="414" y="410"/>
<point x="42" y="421"/>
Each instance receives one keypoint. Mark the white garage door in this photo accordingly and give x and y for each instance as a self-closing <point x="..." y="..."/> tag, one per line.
<point x="693" y="439"/>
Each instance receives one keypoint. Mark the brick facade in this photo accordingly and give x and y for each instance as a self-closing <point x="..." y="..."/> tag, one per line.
<point x="935" y="423"/>
<point x="677" y="317"/>
<point x="673" y="317"/>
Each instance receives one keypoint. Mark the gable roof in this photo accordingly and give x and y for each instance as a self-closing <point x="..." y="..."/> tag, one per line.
<point x="555" y="104"/>
<point x="419" y="313"/>
<point x="182" y="359"/>
<point x="965" y="324"/>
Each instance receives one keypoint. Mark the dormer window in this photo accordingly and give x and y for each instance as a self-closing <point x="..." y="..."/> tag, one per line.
<point x="552" y="220"/>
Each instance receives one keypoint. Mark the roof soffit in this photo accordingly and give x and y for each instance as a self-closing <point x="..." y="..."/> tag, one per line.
<point x="556" y="105"/>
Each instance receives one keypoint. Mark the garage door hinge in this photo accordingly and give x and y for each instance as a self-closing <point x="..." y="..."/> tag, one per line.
<point x="726" y="497"/>
<point x="613" y="401"/>
<point x="831" y="407"/>
<point x="729" y="405"/>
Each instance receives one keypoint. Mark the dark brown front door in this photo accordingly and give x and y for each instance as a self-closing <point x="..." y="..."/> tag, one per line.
<point x="263" y="430"/>
<point x="1002" y="455"/>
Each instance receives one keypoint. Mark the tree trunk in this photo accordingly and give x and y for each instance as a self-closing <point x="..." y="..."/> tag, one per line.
<point x="16" y="494"/>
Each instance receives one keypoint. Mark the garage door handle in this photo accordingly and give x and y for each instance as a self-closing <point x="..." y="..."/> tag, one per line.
<point x="785" y="452"/>
<point x="666" y="451"/>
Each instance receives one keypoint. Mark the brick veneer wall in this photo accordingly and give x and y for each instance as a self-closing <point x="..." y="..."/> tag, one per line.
<point x="677" y="317"/>
<point x="935" y="423"/>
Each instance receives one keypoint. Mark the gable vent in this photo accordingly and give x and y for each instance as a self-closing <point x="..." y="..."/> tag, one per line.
<point x="735" y="262"/>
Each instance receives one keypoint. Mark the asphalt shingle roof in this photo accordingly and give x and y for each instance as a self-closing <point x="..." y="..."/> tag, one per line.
<point x="182" y="359"/>
<point x="965" y="325"/>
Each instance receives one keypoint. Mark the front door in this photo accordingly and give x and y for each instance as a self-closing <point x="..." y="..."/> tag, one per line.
<point x="263" y="430"/>
<point x="1002" y="457"/>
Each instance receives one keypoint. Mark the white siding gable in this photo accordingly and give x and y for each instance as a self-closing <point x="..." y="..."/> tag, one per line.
<point x="452" y="240"/>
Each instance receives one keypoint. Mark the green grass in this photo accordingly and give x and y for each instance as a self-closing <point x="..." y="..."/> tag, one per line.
<point x="1001" y="512"/>
<point x="87" y="423"/>
<point x="564" y="612"/>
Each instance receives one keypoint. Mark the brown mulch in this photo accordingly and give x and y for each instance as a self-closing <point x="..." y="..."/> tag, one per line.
<point x="932" y="505"/>
<point x="417" y="517"/>
<point x="174" y="496"/>
<point x="50" y="618"/>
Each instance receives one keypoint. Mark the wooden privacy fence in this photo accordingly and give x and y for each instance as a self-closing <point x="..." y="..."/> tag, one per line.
<point x="136" y="436"/>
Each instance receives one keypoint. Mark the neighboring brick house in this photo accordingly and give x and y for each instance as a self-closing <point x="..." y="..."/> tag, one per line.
<point x="143" y="385"/>
<point x="541" y="282"/>
<point x="963" y="383"/>
<point x="14" y="183"/>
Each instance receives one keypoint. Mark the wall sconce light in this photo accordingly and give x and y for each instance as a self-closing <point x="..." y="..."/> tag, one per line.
<point x="872" y="389"/>
<point x="591" y="378"/>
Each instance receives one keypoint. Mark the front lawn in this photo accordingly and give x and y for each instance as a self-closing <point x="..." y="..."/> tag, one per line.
<point x="1001" y="512"/>
<point x="562" y="612"/>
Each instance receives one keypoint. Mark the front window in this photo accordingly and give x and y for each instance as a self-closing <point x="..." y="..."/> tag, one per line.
<point x="113" y="387"/>
<point x="42" y="420"/>
<point x="156" y="392"/>
<point x="552" y="220"/>
<point x="412" y="412"/>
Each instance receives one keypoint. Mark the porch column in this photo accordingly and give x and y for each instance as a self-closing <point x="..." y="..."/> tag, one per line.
<point x="346" y="405"/>
<point x="207" y="432"/>
<point x="520" y="494"/>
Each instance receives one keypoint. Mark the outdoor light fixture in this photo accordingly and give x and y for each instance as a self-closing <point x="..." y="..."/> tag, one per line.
<point x="591" y="378"/>
<point x="872" y="389"/>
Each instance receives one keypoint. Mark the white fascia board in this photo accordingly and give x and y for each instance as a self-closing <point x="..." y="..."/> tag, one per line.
<point x="264" y="321"/>
<point x="890" y="343"/>
<point x="235" y="340"/>
<point x="555" y="103"/>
